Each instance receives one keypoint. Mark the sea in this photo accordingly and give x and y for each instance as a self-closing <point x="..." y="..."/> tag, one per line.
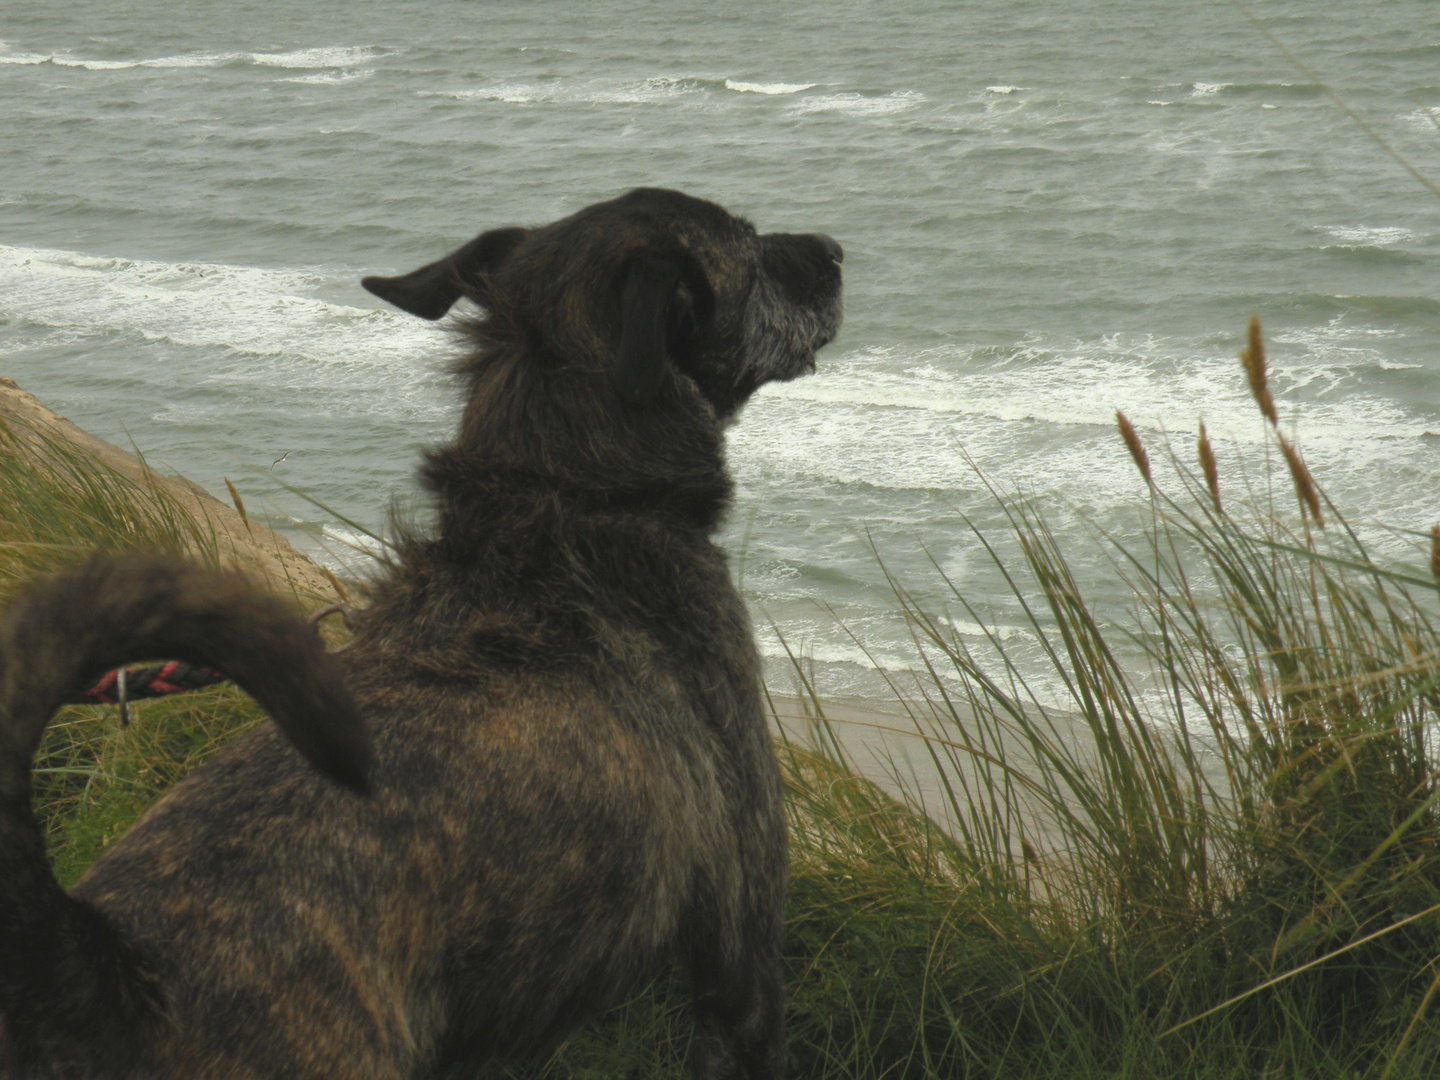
<point x="1051" y="210"/>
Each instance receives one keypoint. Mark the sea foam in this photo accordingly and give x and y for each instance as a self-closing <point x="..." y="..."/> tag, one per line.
<point x="261" y="312"/>
<point x="1368" y="236"/>
<point x="773" y="89"/>
<point x="892" y="419"/>
<point x="323" y="57"/>
<point x="860" y="105"/>
<point x="656" y="90"/>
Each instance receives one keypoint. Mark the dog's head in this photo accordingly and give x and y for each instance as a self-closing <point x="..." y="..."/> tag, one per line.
<point x="650" y="289"/>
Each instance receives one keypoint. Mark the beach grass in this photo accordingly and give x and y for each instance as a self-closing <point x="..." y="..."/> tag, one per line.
<point x="58" y="503"/>
<point x="1197" y="837"/>
<point x="93" y="777"/>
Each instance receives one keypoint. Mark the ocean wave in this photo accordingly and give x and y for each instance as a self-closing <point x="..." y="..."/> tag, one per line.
<point x="853" y="104"/>
<point x="637" y="92"/>
<point x="322" y="57"/>
<point x="514" y="93"/>
<point x="1370" y="236"/>
<point x="773" y="89"/>
<point x="263" y="312"/>
<point x="830" y="651"/>
<point x="1266" y="90"/>
<point x="8" y="56"/>
<point x="1003" y="89"/>
<point x="1045" y="415"/>
<point x="666" y="89"/>
<point x="1427" y="119"/>
<point x="331" y="78"/>
<point x="357" y="542"/>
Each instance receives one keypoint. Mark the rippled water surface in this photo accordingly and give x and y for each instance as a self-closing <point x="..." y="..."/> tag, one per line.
<point x="1049" y="211"/>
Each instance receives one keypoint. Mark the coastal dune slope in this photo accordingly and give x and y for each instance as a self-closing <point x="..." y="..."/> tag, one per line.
<point x="240" y="541"/>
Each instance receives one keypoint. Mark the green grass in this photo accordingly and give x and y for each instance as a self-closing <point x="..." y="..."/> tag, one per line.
<point x="1214" y="851"/>
<point x="93" y="777"/>
<point x="58" y="503"/>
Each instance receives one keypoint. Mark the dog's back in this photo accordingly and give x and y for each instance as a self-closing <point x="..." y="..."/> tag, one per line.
<point x="573" y="780"/>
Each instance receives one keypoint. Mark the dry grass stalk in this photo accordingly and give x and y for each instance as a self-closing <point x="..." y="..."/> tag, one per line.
<point x="1304" y="485"/>
<point x="1132" y="443"/>
<point x="239" y="505"/>
<point x="1207" y="464"/>
<point x="1253" y="357"/>
<point x="1435" y="550"/>
<point x="340" y="590"/>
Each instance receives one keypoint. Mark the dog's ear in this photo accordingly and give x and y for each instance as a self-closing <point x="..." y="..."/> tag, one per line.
<point x="431" y="291"/>
<point x="665" y="304"/>
<point x="645" y="294"/>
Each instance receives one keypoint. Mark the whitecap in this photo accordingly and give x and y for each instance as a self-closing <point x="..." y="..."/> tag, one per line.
<point x="7" y="57"/>
<point x="94" y="65"/>
<point x="852" y="104"/>
<point x="641" y="92"/>
<point x="1426" y="119"/>
<point x="512" y="93"/>
<point x="322" y="57"/>
<point x="331" y="77"/>
<point x="1004" y="89"/>
<point x="778" y="88"/>
<point x="1368" y="236"/>
<point x="196" y="60"/>
<point x="1207" y="89"/>
<point x="833" y="652"/>
<point x="352" y="540"/>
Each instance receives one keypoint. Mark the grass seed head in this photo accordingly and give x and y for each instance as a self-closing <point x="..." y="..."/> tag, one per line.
<point x="1207" y="464"/>
<point x="335" y="584"/>
<point x="1435" y="550"/>
<point x="1304" y="485"/>
<point x="1133" y="444"/>
<point x="1253" y="357"/>
<point x="239" y="504"/>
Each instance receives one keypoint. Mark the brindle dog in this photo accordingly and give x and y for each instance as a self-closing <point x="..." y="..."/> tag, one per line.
<point x="570" y="781"/>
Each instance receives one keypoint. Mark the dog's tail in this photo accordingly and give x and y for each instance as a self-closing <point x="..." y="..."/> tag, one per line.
<point x="67" y="979"/>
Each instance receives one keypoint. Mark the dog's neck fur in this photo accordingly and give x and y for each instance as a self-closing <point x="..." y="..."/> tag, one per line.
<point x="531" y="437"/>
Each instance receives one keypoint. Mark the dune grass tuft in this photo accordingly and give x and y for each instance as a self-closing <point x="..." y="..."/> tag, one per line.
<point x="60" y="503"/>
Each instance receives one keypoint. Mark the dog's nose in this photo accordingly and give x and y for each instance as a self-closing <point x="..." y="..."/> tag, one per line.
<point x="832" y="247"/>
